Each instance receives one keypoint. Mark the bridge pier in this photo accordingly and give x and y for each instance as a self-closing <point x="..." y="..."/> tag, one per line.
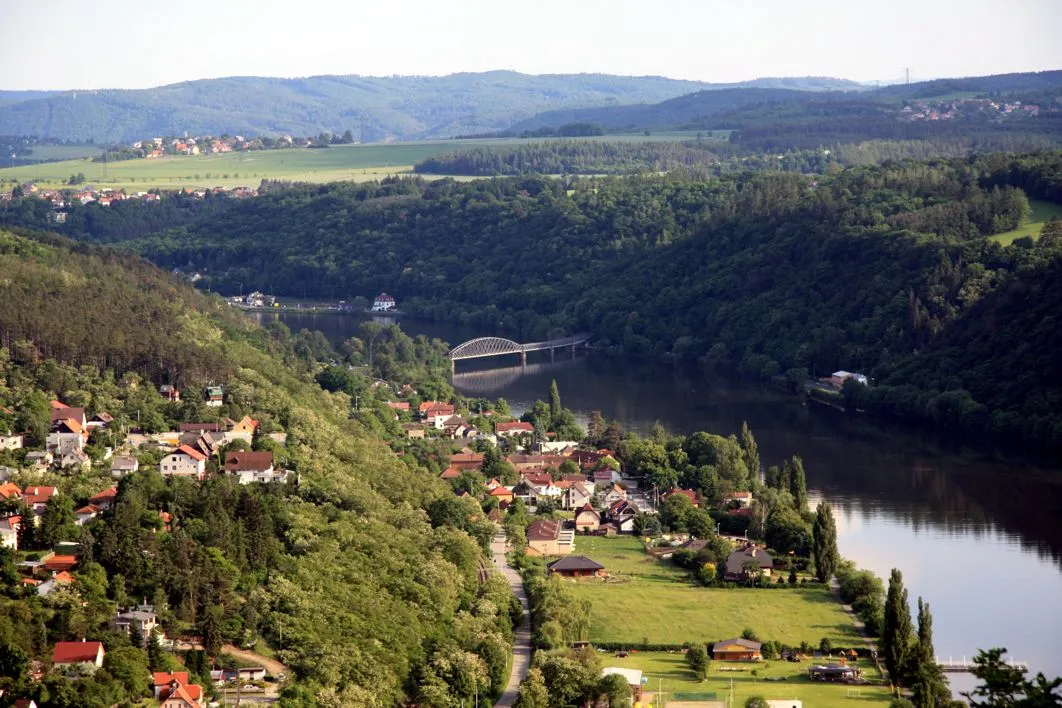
<point x="523" y="358"/>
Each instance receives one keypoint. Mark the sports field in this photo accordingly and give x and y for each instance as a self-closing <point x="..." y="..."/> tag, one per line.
<point x="339" y="162"/>
<point x="652" y="601"/>
<point x="1041" y="213"/>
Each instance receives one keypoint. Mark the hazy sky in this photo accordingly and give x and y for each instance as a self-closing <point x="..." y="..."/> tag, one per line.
<point x="124" y="44"/>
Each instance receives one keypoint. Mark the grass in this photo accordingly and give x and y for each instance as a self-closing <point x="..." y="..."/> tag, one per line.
<point x="652" y="601"/>
<point x="63" y="152"/>
<point x="339" y="162"/>
<point x="668" y="671"/>
<point x="1041" y="213"/>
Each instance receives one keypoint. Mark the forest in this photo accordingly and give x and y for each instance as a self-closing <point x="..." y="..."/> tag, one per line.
<point x="880" y="269"/>
<point x="342" y="571"/>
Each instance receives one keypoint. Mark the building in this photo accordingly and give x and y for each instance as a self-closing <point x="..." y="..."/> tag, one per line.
<point x="633" y="677"/>
<point x="67" y="435"/>
<point x="214" y="396"/>
<point x="575" y="567"/>
<point x="503" y="495"/>
<point x="736" y="650"/>
<point x="748" y="562"/>
<point x="37" y="496"/>
<point x="838" y="378"/>
<point x="587" y="519"/>
<point x="143" y="620"/>
<point x="78" y="654"/>
<point x="170" y="393"/>
<point x="174" y="690"/>
<point x="121" y="465"/>
<point x="547" y="537"/>
<point x="384" y="303"/>
<point x="514" y="429"/>
<point x="253" y="467"/>
<point x="184" y="462"/>
<point x="738" y="500"/>
<point x="11" y="441"/>
<point x="784" y="703"/>
<point x="621" y="514"/>
<point x="9" y="532"/>
<point x="688" y="493"/>
<point x="576" y="494"/>
<point x="832" y="672"/>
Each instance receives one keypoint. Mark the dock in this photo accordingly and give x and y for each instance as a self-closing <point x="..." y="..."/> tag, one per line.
<point x="964" y="667"/>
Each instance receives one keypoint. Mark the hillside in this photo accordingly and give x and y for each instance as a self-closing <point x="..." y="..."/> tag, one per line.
<point x="338" y="570"/>
<point x="867" y="270"/>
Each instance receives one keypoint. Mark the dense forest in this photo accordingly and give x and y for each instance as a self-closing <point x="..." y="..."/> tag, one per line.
<point x="341" y="570"/>
<point x="878" y="269"/>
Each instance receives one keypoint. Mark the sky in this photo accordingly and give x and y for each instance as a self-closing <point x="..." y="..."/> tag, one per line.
<point x="65" y="44"/>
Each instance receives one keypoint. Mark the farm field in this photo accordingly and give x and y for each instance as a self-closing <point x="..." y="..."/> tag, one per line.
<point x="1041" y="214"/>
<point x="357" y="163"/>
<point x="652" y="601"/>
<point x="667" y="672"/>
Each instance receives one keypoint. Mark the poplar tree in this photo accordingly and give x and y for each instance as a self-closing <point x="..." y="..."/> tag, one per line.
<point x="750" y="451"/>
<point x="824" y="543"/>
<point x="896" y="628"/>
<point x="798" y="485"/>
<point x="927" y="680"/>
<point x="554" y="400"/>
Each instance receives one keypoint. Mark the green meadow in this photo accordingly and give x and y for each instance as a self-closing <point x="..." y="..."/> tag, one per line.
<point x="1041" y="214"/>
<point x="647" y="600"/>
<point x="356" y="163"/>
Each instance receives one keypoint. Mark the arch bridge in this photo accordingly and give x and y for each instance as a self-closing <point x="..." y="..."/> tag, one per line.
<point x="499" y="346"/>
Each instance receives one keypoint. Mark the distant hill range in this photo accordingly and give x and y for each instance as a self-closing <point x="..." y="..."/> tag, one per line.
<point x="372" y="108"/>
<point x="737" y="107"/>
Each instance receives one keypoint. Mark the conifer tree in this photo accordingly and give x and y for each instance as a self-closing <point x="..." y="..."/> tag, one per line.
<point x="927" y="680"/>
<point x="824" y="542"/>
<point x="798" y="485"/>
<point x="896" y="629"/>
<point x="750" y="451"/>
<point x="554" y="400"/>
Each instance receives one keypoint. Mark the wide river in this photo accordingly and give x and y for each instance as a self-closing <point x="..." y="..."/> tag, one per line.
<point x="979" y="539"/>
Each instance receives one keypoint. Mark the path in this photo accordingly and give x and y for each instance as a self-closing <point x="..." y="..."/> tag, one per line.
<point x="272" y="666"/>
<point x="522" y="636"/>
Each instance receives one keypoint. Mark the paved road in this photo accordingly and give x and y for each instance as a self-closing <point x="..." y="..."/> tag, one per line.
<point x="522" y="636"/>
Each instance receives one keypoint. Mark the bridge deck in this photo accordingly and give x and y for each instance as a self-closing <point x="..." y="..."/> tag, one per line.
<point x="499" y="346"/>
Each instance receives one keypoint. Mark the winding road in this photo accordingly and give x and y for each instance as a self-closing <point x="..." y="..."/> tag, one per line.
<point x="522" y="636"/>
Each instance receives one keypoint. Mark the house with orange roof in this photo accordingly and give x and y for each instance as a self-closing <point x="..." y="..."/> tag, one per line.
<point x="10" y="490"/>
<point x="450" y="472"/>
<point x="105" y="499"/>
<point x="503" y="495"/>
<point x="175" y="691"/>
<point x="467" y="460"/>
<point x="57" y="563"/>
<point x="513" y="429"/>
<point x="185" y="461"/>
<point x="688" y="493"/>
<point x="37" y="496"/>
<point x="67" y="435"/>
<point x="87" y="513"/>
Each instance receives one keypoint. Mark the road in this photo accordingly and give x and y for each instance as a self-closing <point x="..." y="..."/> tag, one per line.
<point x="522" y="636"/>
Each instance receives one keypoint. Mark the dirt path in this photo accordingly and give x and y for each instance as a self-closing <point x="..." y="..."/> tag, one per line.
<point x="522" y="636"/>
<point x="272" y="666"/>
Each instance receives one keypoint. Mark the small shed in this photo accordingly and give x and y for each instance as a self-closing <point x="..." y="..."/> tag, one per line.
<point x="736" y="650"/>
<point x="575" y="567"/>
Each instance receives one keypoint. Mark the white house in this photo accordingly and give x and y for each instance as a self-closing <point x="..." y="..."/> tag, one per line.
<point x="67" y="435"/>
<point x="143" y="619"/>
<point x="383" y="303"/>
<point x="183" y="462"/>
<point x="11" y="441"/>
<point x="9" y="532"/>
<point x="514" y="429"/>
<point x="73" y="653"/>
<point x="253" y="467"/>
<point x="122" y="465"/>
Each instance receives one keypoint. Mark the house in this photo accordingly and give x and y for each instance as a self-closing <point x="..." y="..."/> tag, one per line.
<point x="587" y="519"/>
<point x="105" y="499"/>
<point x="59" y="580"/>
<point x="184" y="462"/>
<point x="58" y="563"/>
<point x="61" y="411"/>
<point x="838" y="378"/>
<point x="738" y="500"/>
<point x="547" y="537"/>
<point x="174" y="690"/>
<point x="515" y="429"/>
<point x="503" y="495"/>
<point x="621" y="514"/>
<point x="67" y="434"/>
<point x="253" y="467"/>
<point x="384" y="303"/>
<point x="694" y="498"/>
<point x="605" y="476"/>
<point x="575" y="567"/>
<point x="199" y="428"/>
<point x="36" y="497"/>
<point x="736" y="650"/>
<point x="25" y="703"/>
<point x="525" y="492"/>
<point x="589" y="459"/>
<point x="87" y="513"/>
<point x="449" y="473"/>
<point x="633" y="677"/>
<point x="748" y="562"/>
<point x="398" y="405"/>
<point x="466" y="460"/>
<point x="575" y="495"/>
<point x="9" y="532"/>
<point x="40" y="459"/>
<point x="614" y="494"/>
<point x="100" y="420"/>
<point x="493" y="484"/>
<point x="143" y="620"/>
<point x="414" y="431"/>
<point x="78" y="653"/>
<point x="170" y="393"/>
<point x="11" y="441"/>
<point x="10" y="490"/>
<point x="121" y="465"/>
<point x="530" y="462"/>
<point x="437" y="413"/>
<point x="243" y="429"/>
<point x="75" y="460"/>
<point x="455" y="426"/>
<point x="213" y="396"/>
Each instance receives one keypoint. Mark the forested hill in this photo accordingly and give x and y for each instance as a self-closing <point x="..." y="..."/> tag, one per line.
<point x="339" y="570"/>
<point x="873" y="269"/>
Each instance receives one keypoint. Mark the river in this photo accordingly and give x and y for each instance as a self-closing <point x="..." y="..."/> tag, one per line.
<point x="979" y="539"/>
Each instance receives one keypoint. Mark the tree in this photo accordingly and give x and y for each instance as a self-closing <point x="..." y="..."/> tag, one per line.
<point x="210" y="631"/>
<point x="1051" y="233"/>
<point x="128" y="667"/>
<point x="896" y="629"/>
<point x="798" y="485"/>
<point x="35" y="417"/>
<point x="697" y="660"/>
<point x="674" y="512"/>
<point x="927" y="680"/>
<point x="58" y="522"/>
<point x="533" y="691"/>
<point x="1004" y="686"/>
<point x="756" y="702"/>
<point x="750" y="450"/>
<point x="554" y="400"/>
<point x="824" y="542"/>
<point x="615" y="691"/>
<point x="156" y="658"/>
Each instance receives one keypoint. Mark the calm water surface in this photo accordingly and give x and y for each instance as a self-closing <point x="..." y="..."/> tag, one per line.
<point x="980" y="540"/>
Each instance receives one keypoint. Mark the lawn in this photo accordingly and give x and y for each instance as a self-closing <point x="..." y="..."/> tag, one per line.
<point x="1041" y="213"/>
<point x="652" y="601"/>
<point x="667" y="672"/>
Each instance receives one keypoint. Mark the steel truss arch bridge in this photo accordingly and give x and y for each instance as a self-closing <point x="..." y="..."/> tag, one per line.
<point x="482" y="347"/>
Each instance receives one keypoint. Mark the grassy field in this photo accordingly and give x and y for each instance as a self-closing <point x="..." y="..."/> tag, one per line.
<point x="339" y="162"/>
<point x="649" y="600"/>
<point x="63" y="152"/>
<point x="667" y="672"/>
<point x="1041" y="213"/>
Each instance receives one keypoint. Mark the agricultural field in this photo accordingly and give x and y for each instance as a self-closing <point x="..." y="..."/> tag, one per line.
<point x="358" y="163"/>
<point x="667" y="673"/>
<point x="650" y="601"/>
<point x="1041" y="214"/>
<point x="63" y="152"/>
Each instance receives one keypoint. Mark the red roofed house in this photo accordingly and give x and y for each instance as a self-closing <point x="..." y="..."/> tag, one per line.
<point x="10" y="490"/>
<point x="58" y="564"/>
<point x="74" y="653"/>
<point x="738" y="499"/>
<point x="514" y="429"/>
<point x="36" y="497"/>
<point x="170" y="393"/>
<point x="184" y="462"/>
<point x="9" y="532"/>
<point x="87" y="513"/>
<point x="67" y="434"/>
<point x="503" y="495"/>
<point x="398" y="405"/>
<point x="174" y="691"/>
<point x="466" y="461"/>
<point x="199" y="428"/>
<point x="587" y="519"/>
<point x="547" y="537"/>
<point x="437" y="413"/>
<point x="688" y="493"/>
<point x="450" y="472"/>
<point x="105" y="499"/>
<point x="253" y="467"/>
<point x="62" y="411"/>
